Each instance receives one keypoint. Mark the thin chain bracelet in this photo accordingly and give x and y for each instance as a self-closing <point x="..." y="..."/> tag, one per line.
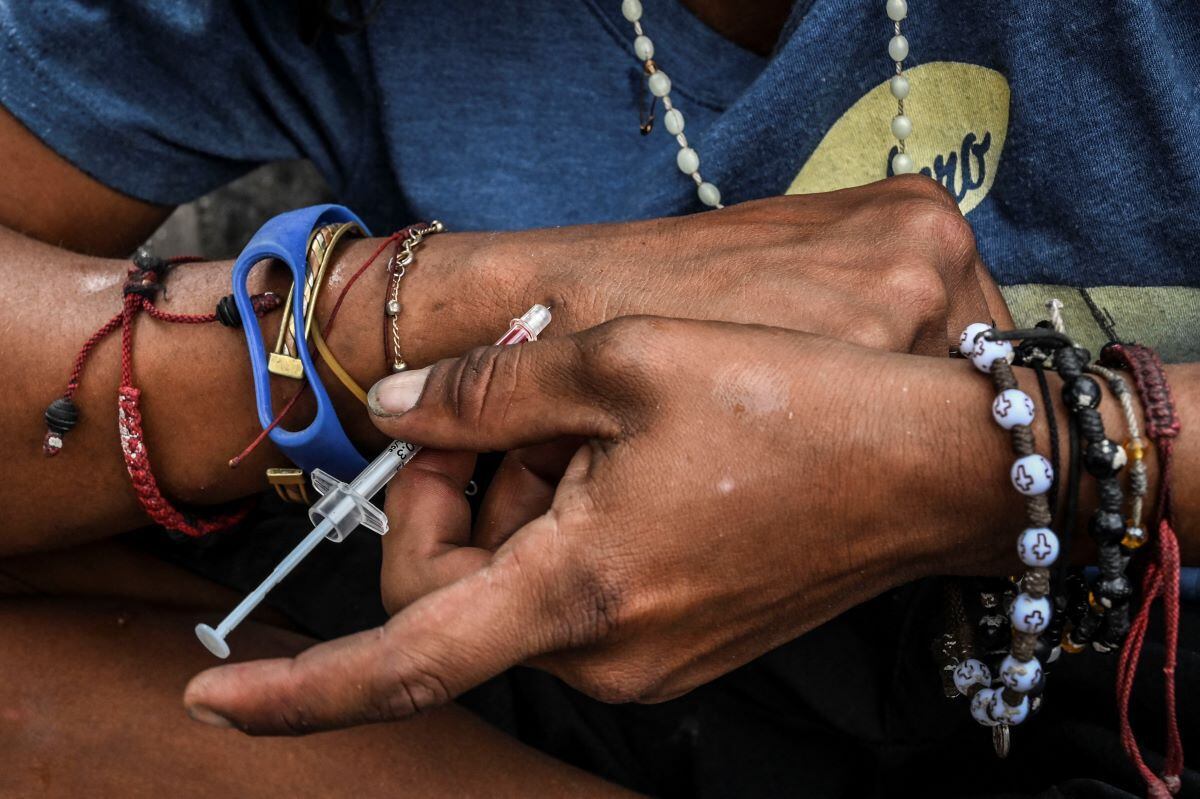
<point x="1022" y="679"/>
<point x="398" y="265"/>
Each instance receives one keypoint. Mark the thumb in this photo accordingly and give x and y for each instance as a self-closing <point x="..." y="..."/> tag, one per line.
<point x="440" y="646"/>
<point x="496" y="398"/>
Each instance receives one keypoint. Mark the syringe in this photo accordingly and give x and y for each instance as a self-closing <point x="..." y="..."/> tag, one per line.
<point x="344" y="507"/>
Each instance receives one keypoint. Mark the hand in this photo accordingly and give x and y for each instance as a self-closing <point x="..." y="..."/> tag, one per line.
<point x="734" y="487"/>
<point x="891" y="265"/>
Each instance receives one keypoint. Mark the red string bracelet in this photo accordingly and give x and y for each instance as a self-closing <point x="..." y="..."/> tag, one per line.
<point x="1161" y="577"/>
<point x="143" y="283"/>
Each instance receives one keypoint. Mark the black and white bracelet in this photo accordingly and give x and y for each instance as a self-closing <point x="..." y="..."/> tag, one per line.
<point x="1021" y="675"/>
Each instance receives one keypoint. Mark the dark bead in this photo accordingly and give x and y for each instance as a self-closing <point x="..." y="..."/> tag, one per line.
<point x="1114" y="591"/>
<point x="1104" y="458"/>
<point x="992" y="632"/>
<point x="1083" y="392"/>
<point x="1106" y="527"/>
<point x="147" y="261"/>
<point x="1087" y="628"/>
<point x="227" y="312"/>
<point x="62" y="415"/>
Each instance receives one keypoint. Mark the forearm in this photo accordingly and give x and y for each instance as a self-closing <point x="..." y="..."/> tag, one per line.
<point x="198" y="399"/>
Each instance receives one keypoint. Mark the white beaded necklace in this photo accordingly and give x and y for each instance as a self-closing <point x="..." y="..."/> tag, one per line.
<point x="688" y="159"/>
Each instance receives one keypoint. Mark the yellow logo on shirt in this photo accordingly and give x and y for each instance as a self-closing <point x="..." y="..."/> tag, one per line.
<point x="960" y="121"/>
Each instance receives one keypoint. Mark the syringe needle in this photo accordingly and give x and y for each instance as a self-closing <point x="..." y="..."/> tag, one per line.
<point x="214" y="640"/>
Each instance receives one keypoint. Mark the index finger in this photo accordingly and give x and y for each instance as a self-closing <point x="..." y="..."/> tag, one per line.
<point x="440" y="646"/>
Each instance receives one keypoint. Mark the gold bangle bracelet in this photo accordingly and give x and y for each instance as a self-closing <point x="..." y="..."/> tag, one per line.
<point x="321" y="243"/>
<point x="338" y="370"/>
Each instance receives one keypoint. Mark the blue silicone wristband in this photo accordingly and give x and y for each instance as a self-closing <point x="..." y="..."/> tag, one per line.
<point x="323" y="444"/>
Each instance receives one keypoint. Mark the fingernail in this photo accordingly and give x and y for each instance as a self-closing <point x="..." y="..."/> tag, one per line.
<point x="206" y="716"/>
<point x="397" y="394"/>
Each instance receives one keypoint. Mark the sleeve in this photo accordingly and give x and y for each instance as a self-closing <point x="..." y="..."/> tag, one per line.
<point x="166" y="101"/>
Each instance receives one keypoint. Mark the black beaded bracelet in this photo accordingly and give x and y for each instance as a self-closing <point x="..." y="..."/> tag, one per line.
<point x="1107" y="619"/>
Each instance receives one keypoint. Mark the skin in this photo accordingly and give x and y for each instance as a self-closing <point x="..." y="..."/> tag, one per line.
<point x="477" y="280"/>
<point x="734" y="266"/>
<point x="571" y="577"/>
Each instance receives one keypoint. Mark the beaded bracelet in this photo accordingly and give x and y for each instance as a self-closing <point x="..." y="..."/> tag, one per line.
<point x="1135" y="533"/>
<point x="1031" y="475"/>
<point x="1103" y="460"/>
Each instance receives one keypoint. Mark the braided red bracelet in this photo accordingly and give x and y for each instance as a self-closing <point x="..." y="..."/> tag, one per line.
<point x="1161" y="578"/>
<point x="143" y="283"/>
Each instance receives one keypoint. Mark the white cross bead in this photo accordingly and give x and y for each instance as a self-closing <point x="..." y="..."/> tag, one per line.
<point x="966" y="341"/>
<point x="987" y="353"/>
<point x="1032" y="475"/>
<point x="1037" y="546"/>
<point x="971" y="672"/>
<point x="1021" y="676"/>
<point x="1012" y="407"/>
<point x="1003" y="713"/>
<point x="1029" y="614"/>
<point x="979" y="706"/>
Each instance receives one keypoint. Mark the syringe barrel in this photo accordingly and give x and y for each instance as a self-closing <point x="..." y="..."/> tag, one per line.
<point x="371" y="479"/>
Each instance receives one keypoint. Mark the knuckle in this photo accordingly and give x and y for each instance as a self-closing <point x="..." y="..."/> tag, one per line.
<point x="616" y="348"/>
<point x="468" y="384"/>
<point x="931" y="222"/>
<point x="921" y="187"/>
<point x="294" y="720"/>
<point x="412" y="691"/>
<point x="919" y="288"/>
